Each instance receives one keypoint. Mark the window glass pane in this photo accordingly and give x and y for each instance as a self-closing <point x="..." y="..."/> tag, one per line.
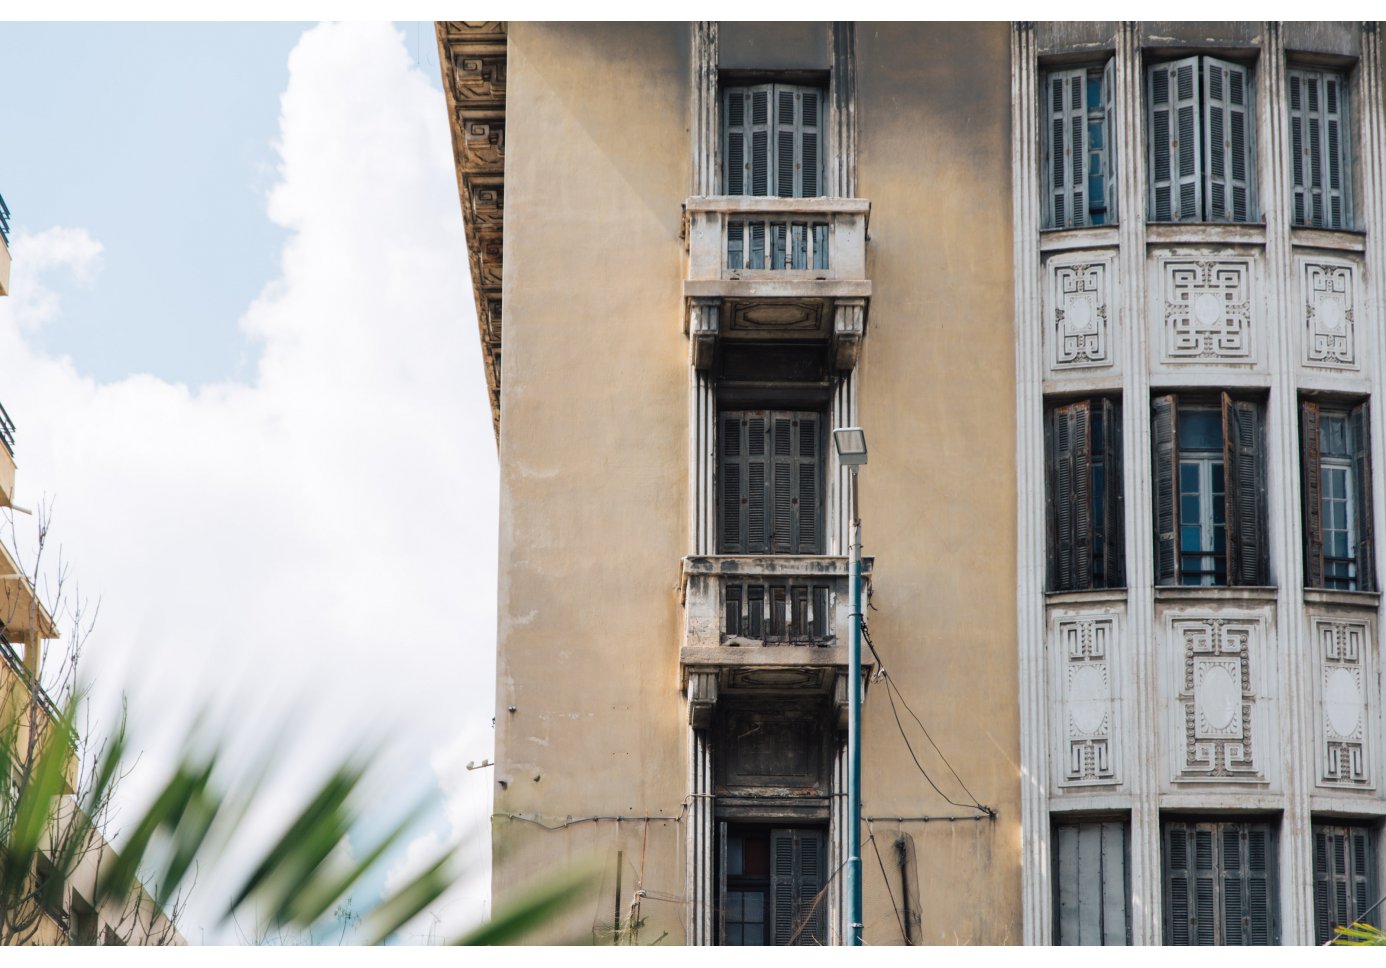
<point x="734" y="907"/>
<point x="1200" y="430"/>
<point x="734" y="852"/>
<point x="753" y="934"/>
<point x="754" y="907"/>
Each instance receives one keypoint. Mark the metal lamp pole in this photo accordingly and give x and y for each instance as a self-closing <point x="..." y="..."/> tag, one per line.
<point x="851" y="451"/>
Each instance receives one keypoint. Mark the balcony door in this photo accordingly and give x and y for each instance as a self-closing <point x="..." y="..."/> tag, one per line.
<point x="770" y="482"/>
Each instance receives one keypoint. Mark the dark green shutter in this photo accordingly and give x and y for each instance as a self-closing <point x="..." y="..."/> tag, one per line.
<point x="770" y="483"/>
<point x="1313" y="497"/>
<point x="1344" y="877"/>
<point x="1176" y="190"/>
<point x="798" y="139"/>
<point x="1220" y="884"/>
<point x="783" y="887"/>
<point x="1227" y="139"/>
<point x="1164" y="473"/>
<point x="742" y="483"/>
<point x="797" y="913"/>
<point x="722" y="882"/>
<point x="1360" y="422"/>
<point x="1245" y="492"/>
<point x="1071" y="497"/>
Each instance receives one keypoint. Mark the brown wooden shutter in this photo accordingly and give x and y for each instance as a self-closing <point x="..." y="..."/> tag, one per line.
<point x="1071" y="497"/>
<point x="1165" y="478"/>
<point x="1245" y="492"/>
<point x="1113" y="506"/>
<point x="1312" y="486"/>
<point x="1360" y="421"/>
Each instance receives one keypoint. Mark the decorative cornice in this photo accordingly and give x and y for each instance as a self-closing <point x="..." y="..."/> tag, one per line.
<point x="472" y="58"/>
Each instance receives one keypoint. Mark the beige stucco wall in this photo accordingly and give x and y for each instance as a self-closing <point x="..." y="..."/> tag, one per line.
<point x="594" y="469"/>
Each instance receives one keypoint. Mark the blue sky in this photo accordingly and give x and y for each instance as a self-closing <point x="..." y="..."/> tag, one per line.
<point x="158" y="138"/>
<point x="240" y="347"/>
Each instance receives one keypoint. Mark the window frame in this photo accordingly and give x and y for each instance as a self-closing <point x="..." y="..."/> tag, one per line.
<point x="1356" y="417"/>
<point x="1244" y="479"/>
<point x="1085" y="530"/>
<point x="807" y="534"/>
<point x="1058" y="82"/>
<point x="1221" y="885"/>
<point x="1209" y="110"/>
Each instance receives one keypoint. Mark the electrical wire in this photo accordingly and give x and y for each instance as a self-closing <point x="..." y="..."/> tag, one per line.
<point x="885" y="877"/>
<point x="892" y="690"/>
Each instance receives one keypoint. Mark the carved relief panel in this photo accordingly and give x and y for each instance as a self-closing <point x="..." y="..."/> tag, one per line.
<point x="1083" y="687"/>
<point x="1206" y="311"/>
<point x="1327" y="311"/>
<point x="1217" y="706"/>
<point x="1079" y="312"/>
<point x="1342" y="657"/>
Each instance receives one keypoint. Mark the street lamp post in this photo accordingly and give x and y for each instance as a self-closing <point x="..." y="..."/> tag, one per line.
<point x="851" y="453"/>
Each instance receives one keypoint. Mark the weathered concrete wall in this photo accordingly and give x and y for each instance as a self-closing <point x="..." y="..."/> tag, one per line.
<point x="594" y="475"/>
<point x="593" y="456"/>
<point x="938" y="498"/>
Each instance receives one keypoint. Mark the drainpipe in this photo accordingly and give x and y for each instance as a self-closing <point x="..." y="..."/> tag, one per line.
<point x="854" y="923"/>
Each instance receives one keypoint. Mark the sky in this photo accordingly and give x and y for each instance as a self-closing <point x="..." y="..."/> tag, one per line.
<point x="242" y="355"/>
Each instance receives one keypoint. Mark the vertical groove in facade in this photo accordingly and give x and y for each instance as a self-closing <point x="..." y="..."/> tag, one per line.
<point x="1030" y="500"/>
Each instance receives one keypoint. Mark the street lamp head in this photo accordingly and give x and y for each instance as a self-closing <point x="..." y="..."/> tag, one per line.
<point x="851" y="446"/>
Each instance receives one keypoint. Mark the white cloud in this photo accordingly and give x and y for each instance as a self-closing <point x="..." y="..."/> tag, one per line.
<point x="319" y="542"/>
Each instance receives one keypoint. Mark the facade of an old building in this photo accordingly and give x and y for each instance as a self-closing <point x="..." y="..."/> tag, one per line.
<point x="1102" y="298"/>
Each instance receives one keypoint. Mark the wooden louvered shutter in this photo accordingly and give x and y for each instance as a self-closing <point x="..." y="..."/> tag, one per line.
<point x="1070" y="490"/>
<point x="796" y="489"/>
<point x="797" y="915"/>
<point x="797" y="149"/>
<point x="1344" y="868"/>
<point x="1165" y="477"/>
<point x="1245" y="494"/>
<point x="1227" y="137"/>
<point x="746" y="140"/>
<point x="1113" y="507"/>
<point x="1090" y="882"/>
<point x="1109" y="141"/>
<point x="742" y="483"/>
<point x="1176" y="189"/>
<point x="1318" y="121"/>
<point x="810" y="910"/>
<point x="722" y="882"/>
<point x="1360" y="423"/>
<point x="1191" y="883"/>
<point x="1313" y="493"/>
<point x="1249" y="915"/>
<point x="783" y="887"/>
<point x="1068" y="149"/>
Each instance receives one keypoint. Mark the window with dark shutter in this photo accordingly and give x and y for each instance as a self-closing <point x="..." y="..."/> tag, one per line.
<point x="1083" y="445"/>
<point x="1091" y="890"/>
<point x="772" y="140"/>
<point x="769" y="886"/>
<point x="770" y="489"/>
<point x="1319" y="142"/>
<point x="1209" y="491"/>
<point x="1202" y="160"/>
<point x="1079" y="169"/>
<point x="1335" y="477"/>
<point x="798" y="914"/>
<point x="1344" y="876"/>
<point x="1220" y="881"/>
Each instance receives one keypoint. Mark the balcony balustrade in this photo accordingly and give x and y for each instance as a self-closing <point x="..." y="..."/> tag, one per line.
<point x="776" y="268"/>
<point x="765" y="624"/>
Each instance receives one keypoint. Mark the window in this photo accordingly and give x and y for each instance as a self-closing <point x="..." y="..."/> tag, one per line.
<point x="1079" y="158"/>
<point x="1344" y="876"/>
<point x="1318" y="149"/>
<point x="1210" y="491"/>
<point x="1083" y="451"/>
<point x="1090" y="884"/>
<point x="769" y="482"/>
<point x="1202" y="153"/>
<point x="772" y="879"/>
<point x="772" y="140"/>
<point x="1220" y="884"/>
<point x="1336" y="476"/>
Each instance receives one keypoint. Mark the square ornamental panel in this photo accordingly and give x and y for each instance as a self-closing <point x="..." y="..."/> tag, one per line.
<point x="1328" y="313"/>
<point x="1207" y="313"/>
<point x="1079" y="315"/>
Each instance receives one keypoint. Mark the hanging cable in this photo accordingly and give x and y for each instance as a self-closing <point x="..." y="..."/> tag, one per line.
<point x="885" y="877"/>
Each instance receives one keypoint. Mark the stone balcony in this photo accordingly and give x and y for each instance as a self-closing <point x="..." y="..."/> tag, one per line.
<point x="776" y="269"/>
<point x="6" y="459"/>
<point x="775" y="624"/>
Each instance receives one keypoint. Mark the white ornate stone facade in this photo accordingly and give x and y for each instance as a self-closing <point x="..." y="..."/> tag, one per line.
<point x="1328" y="305"/>
<point x="1079" y="317"/>
<point x="1208" y="309"/>
<point x="1084" y="671"/>
<point x="1215" y="689"/>
<point x="1342" y="652"/>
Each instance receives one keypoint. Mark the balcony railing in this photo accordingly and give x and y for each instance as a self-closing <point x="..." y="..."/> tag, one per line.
<point x="6" y="431"/>
<point x="738" y="237"/>
<point x="39" y="695"/>
<point x="4" y="220"/>
<point x="738" y="601"/>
